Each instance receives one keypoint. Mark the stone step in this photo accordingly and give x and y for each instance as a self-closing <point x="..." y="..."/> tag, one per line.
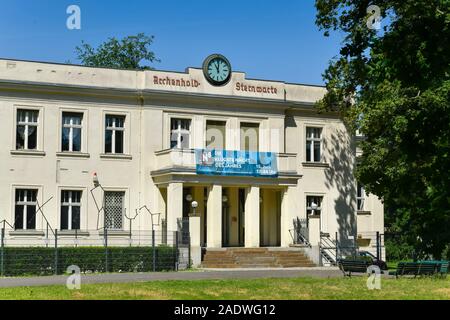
<point x="291" y="258"/>
<point x="297" y="265"/>
<point x="255" y="258"/>
<point x="248" y="251"/>
<point x="219" y="260"/>
<point x="219" y="266"/>
<point x="258" y="265"/>
<point x="286" y="252"/>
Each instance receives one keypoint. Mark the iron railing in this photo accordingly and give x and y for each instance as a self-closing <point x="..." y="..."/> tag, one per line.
<point x="300" y="232"/>
<point x="39" y="252"/>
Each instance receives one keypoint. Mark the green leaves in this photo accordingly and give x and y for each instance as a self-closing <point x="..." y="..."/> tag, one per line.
<point x="128" y="53"/>
<point x="398" y="81"/>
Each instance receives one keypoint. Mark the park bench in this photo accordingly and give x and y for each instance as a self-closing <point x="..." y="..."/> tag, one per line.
<point x="422" y="268"/>
<point x="441" y="266"/>
<point x="355" y="266"/>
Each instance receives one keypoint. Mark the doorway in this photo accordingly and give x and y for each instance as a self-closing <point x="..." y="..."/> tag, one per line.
<point x="226" y="218"/>
<point x="241" y="217"/>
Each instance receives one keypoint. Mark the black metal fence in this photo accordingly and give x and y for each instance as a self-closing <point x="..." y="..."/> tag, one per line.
<point x="300" y="232"/>
<point x="341" y="246"/>
<point x="39" y="252"/>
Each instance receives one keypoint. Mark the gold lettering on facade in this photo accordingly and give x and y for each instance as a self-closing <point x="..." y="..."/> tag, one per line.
<point x="175" y="82"/>
<point x="240" y="86"/>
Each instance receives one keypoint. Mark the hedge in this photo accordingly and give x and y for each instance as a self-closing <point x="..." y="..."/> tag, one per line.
<point x="41" y="260"/>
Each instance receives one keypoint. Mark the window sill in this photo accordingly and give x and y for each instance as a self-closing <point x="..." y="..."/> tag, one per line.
<point x="116" y="156"/>
<point x="118" y="233"/>
<point x="72" y="233"/>
<point x="315" y="216"/>
<point x="315" y="165"/>
<point x="34" y="153"/>
<point x="73" y="155"/>
<point x="363" y="213"/>
<point x="27" y="233"/>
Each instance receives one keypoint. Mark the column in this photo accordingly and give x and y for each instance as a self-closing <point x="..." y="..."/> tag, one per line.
<point x="214" y="218"/>
<point x="160" y="197"/>
<point x="252" y="216"/>
<point x="287" y="217"/>
<point x="198" y="195"/>
<point x="174" y="205"/>
<point x="196" y="250"/>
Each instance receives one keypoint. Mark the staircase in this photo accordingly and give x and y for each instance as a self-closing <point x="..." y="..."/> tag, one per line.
<point x="255" y="258"/>
<point x="328" y="250"/>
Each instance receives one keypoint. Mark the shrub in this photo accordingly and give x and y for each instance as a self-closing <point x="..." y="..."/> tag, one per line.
<point x="41" y="261"/>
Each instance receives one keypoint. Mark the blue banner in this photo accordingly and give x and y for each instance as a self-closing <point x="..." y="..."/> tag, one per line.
<point x="236" y="163"/>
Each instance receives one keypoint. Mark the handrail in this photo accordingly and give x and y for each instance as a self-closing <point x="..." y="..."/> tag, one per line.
<point x="4" y="221"/>
<point x="328" y="248"/>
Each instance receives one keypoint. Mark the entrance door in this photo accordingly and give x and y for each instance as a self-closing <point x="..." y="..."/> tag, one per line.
<point x="241" y="217"/>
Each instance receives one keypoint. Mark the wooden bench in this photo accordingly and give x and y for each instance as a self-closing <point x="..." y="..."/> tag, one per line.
<point x="441" y="266"/>
<point x="421" y="268"/>
<point x="356" y="266"/>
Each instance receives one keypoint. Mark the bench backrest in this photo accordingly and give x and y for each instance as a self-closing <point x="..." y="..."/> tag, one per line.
<point x="353" y="265"/>
<point x="418" y="268"/>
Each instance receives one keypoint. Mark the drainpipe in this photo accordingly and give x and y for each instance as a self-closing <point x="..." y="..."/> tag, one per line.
<point x="141" y="102"/>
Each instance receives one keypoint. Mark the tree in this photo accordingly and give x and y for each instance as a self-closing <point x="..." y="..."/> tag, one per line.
<point x="394" y="86"/>
<point x="127" y="53"/>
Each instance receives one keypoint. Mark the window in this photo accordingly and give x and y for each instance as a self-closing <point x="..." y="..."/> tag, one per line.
<point x="180" y="133"/>
<point x="114" y="134"/>
<point x="313" y="144"/>
<point x="71" y="131"/>
<point x="114" y="210"/>
<point x="70" y="210"/>
<point x="249" y="136"/>
<point x="360" y="197"/>
<point x="313" y="205"/>
<point x="26" y="130"/>
<point x="215" y="135"/>
<point x="25" y="209"/>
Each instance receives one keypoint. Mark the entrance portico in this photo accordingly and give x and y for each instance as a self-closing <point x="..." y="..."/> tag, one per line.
<point x="231" y="214"/>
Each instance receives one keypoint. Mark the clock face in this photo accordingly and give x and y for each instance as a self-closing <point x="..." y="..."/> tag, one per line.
<point x="217" y="69"/>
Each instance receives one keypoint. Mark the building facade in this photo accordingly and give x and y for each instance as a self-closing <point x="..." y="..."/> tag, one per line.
<point x="248" y="157"/>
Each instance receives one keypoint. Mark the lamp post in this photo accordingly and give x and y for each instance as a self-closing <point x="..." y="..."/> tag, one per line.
<point x="97" y="184"/>
<point x="194" y="206"/>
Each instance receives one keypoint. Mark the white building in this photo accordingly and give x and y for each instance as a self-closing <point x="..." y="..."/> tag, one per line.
<point x="147" y="134"/>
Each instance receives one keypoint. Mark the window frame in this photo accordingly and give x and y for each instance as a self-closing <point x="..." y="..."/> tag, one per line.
<point x="27" y="124"/>
<point x="362" y="197"/>
<point x="70" y="206"/>
<point x="253" y="122"/>
<point x="71" y="128"/>
<point x="320" y="208"/>
<point x="323" y="208"/>
<point x="25" y="205"/>
<point x="181" y="118"/>
<point x="114" y="129"/>
<point x="124" y="209"/>
<point x="84" y="133"/>
<point x="40" y="128"/>
<point x="312" y="141"/>
<point x="226" y="129"/>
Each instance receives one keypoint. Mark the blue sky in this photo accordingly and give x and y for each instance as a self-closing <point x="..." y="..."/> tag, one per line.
<point x="275" y="40"/>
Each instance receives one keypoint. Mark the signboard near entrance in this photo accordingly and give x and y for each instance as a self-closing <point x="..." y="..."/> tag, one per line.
<point x="236" y="163"/>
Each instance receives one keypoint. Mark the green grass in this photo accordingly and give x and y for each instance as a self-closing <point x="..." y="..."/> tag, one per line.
<point x="251" y="289"/>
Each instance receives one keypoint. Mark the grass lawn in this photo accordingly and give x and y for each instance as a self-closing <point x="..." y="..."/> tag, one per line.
<point x="252" y="289"/>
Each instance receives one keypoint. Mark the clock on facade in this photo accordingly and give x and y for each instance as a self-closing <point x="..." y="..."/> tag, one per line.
<point x="217" y="70"/>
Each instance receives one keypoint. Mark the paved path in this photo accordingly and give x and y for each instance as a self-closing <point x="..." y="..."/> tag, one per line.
<point x="212" y="274"/>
